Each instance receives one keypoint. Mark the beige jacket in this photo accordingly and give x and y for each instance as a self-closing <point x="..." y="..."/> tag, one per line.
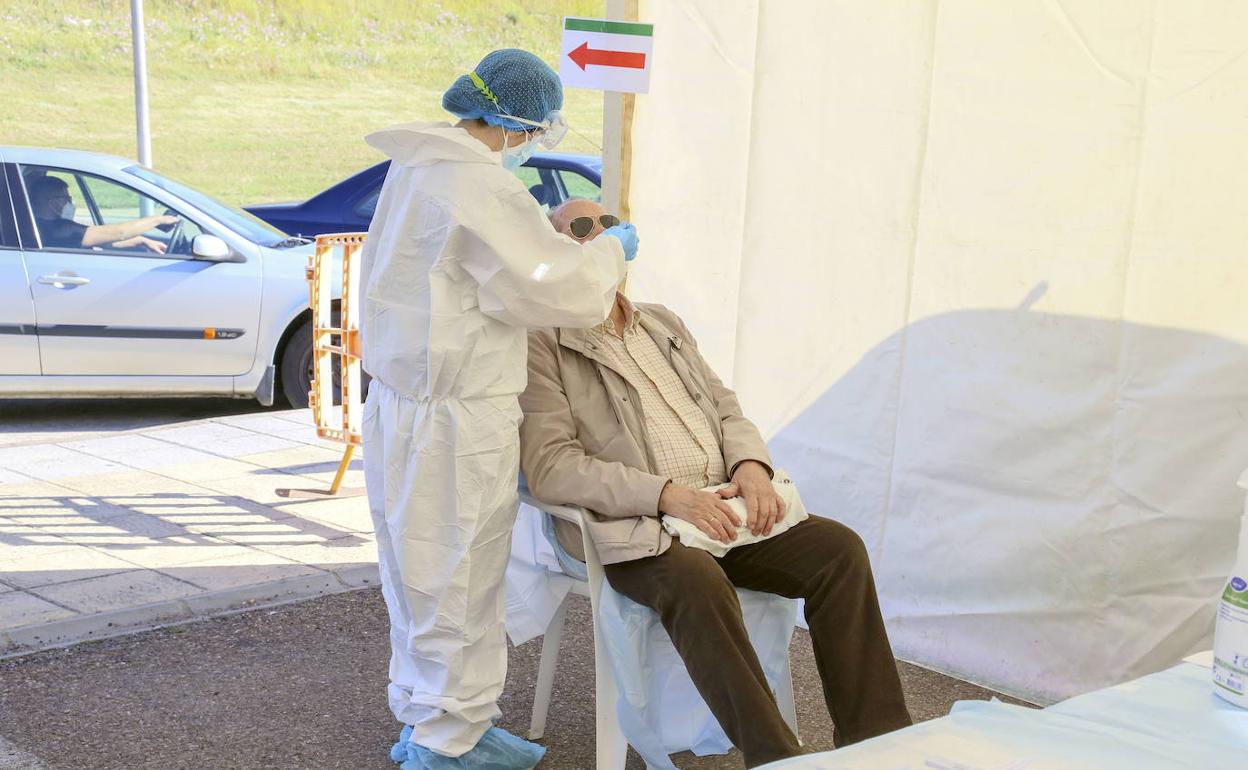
<point x="583" y="437"/>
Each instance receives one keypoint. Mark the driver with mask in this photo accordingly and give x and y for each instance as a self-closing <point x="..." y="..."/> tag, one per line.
<point x="54" y="215"/>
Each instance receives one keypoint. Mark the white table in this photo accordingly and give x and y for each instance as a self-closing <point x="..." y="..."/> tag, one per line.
<point x="1168" y="720"/>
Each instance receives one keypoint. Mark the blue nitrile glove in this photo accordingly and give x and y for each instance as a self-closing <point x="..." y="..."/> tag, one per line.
<point x="497" y="750"/>
<point x="627" y="234"/>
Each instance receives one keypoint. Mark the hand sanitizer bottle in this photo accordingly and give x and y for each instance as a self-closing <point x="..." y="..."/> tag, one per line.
<point x="1230" y="640"/>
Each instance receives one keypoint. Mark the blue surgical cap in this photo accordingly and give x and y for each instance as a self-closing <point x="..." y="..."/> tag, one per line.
<point x="519" y="83"/>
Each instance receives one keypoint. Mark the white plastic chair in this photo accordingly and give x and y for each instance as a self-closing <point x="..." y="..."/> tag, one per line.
<point x="612" y="747"/>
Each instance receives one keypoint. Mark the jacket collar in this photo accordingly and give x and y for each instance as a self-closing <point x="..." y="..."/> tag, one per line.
<point x="581" y="340"/>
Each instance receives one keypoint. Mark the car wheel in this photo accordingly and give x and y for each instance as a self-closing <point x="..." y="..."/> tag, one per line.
<point x="297" y="368"/>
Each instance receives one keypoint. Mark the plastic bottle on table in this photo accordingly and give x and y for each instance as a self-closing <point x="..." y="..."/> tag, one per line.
<point x="1230" y="641"/>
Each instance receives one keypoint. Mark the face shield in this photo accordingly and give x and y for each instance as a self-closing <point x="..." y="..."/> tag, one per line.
<point x="549" y="132"/>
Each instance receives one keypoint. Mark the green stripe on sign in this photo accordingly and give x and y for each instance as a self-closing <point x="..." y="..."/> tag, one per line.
<point x="610" y="27"/>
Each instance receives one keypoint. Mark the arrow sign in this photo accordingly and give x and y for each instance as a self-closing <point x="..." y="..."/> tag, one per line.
<point x="584" y="56"/>
<point x="606" y="55"/>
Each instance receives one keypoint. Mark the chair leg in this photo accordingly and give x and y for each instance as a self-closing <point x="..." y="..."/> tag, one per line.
<point x="612" y="750"/>
<point x="785" y="700"/>
<point x="546" y="671"/>
<point x="612" y="747"/>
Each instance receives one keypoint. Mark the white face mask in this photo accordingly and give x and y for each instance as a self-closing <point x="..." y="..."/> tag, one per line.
<point x="67" y="211"/>
<point x="514" y="157"/>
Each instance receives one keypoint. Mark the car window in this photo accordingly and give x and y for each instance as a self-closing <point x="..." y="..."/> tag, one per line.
<point x="529" y="175"/>
<point x="67" y="193"/>
<point x="8" y="222"/>
<point x="242" y="223"/>
<point x="538" y="182"/>
<point x="114" y="203"/>
<point x="368" y="206"/>
<point x="580" y="187"/>
<point x="72" y="209"/>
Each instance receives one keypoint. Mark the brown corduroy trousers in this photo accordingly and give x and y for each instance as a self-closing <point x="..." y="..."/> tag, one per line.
<point x="819" y="560"/>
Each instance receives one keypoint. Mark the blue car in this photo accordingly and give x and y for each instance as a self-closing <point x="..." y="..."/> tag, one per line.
<point x="349" y="205"/>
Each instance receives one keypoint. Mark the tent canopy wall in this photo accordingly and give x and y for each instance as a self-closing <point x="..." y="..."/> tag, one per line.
<point x="975" y="268"/>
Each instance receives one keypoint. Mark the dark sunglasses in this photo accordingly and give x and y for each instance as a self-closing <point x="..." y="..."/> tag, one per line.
<point x="583" y="226"/>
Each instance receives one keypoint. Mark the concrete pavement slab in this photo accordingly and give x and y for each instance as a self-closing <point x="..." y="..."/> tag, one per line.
<point x="160" y="555"/>
<point x="58" y="565"/>
<point x="89" y="529"/>
<point x="25" y="493"/>
<point x="301" y="434"/>
<point x="323" y="475"/>
<point x="166" y="456"/>
<point x="128" y="482"/>
<point x="48" y="421"/>
<point x="253" y="445"/>
<point x="34" y="510"/>
<point x="20" y="608"/>
<point x="293" y="460"/>
<point x="259" y="485"/>
<point x="211" y="468"/>
<point x="199" y="498"/>
<point x="224" y="440"/>
<point x="129" y="528"/>
<point x="350" y="550"/>
<point x="200" y="435"/>
<point x="288" y="532"/>
<point x="269" y="423"/>
<point x="117" y="448"/>
<point x="255" y="568"/>
<point x="13" y="534"/>
<point x="341" y="513"/>
<point x="110" y="592"/>
<point x="13" y="477"/>
<point x="51" y="462"/>
<point x="304" y="416"/>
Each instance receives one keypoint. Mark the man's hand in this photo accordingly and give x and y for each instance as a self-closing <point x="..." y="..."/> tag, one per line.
<point x="752" y="482"/>
<point x="702" y="509"/>
<point x="139" y="240"/>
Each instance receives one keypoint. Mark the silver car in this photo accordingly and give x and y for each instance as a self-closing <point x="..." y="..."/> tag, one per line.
<point x="118" y="281"/>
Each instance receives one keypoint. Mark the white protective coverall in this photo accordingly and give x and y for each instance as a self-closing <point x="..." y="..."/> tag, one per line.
<point x="460" y="261"/>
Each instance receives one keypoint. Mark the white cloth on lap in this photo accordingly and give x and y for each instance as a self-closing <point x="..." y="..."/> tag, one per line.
<point x="692" y="537"/>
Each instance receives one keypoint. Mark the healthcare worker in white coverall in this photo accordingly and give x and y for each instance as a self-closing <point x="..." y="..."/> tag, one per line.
<point x="460" y="261"/>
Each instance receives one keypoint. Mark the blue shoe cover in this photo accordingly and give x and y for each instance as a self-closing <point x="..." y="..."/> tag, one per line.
<point x="398" y="752"/>
<point x="497" y="750"/>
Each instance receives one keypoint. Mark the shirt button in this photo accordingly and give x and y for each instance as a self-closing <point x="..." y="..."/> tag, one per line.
<point x="697" y="396"/>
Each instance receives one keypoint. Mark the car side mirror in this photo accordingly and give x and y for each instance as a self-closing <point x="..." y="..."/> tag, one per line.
<point x="210" y="248"/>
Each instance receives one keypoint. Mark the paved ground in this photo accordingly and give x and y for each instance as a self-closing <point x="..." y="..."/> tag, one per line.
<point x="27" y="421"/>
<point x="123" y="515"/>
<point x="302" y="686"/>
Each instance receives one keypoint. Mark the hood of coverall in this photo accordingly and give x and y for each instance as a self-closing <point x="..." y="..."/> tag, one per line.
<point x="419" y="144"/>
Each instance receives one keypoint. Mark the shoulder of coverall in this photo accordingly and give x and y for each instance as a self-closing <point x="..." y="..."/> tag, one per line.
<point x="414" y="144"/>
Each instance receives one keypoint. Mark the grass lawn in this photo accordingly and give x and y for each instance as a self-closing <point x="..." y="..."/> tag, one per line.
<point x="259" y="101"/>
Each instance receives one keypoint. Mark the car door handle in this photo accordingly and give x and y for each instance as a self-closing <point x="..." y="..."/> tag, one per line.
<point x="63" y="280"/>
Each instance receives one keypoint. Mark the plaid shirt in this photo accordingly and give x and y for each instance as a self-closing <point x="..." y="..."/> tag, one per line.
<point x="679" y="434"/>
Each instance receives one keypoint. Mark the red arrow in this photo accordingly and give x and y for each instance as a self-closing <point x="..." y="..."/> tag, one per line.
<point x="584" y="55"/>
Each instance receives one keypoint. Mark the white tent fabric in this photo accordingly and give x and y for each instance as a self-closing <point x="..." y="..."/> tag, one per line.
<point x="977" y="270"/>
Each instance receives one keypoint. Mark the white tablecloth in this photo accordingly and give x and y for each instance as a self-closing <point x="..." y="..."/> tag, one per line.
<point x="1168" y="720"/>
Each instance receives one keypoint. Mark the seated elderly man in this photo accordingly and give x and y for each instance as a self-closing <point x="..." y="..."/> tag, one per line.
<point x="628" y="421"/>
